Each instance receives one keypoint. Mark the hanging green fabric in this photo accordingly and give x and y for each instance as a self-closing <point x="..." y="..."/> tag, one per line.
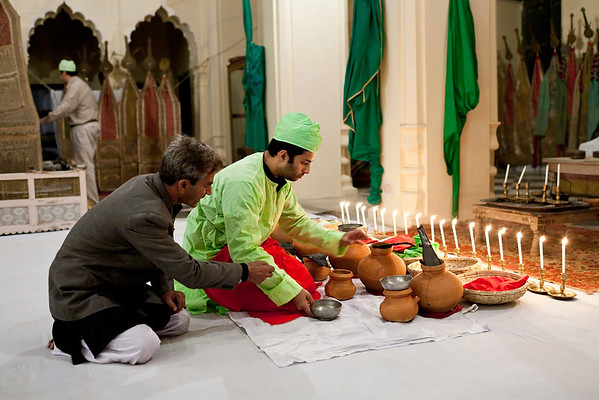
<point x="254" y="82"/>
<point x="461" y="87"/>
<point x="361" y="92"/>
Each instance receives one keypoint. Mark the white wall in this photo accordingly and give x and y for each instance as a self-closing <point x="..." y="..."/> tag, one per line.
<point x="309" y="55"/>
<point x="413" y="99"/>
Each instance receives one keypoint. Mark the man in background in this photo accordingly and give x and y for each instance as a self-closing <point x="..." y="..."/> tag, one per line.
<point x="80" y="107"/>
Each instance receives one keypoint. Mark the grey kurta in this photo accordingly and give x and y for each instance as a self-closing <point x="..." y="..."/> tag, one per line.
<point x="118" y="246"/>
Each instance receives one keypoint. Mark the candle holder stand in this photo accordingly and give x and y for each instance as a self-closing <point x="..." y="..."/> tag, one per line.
<point x="457" y="251"/>
<point x="502" y="264"/>
<point x="541" y="287"/>
<point x="543" y="199"/>
<point x="517" y="198"/>
<point x="521" y="269"/>
<point x="557" y="200"/>
<point x="474" y="255"/>
<point x="489" y="262"/>
<point x="444" y="251"/>
<point x="504" y="196"/>
<point x="562" y="294"/>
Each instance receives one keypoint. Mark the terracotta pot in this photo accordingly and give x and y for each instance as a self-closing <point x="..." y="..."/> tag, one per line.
<point x="340" y="285"/>
<point x="352" y="257"/>
<point x="399" y="306"/>
<point x="303" y="250"/>
<point x="316" y="268"/>
<point x="439" y="290"/>
<point x="379" y="263"/>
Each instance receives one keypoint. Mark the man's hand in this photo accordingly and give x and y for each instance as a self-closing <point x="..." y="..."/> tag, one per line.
<point x="174" y="299"/>
<point x="258" y="271"/>
<point x="353" y="237"/>
<point x="303" y="302"/>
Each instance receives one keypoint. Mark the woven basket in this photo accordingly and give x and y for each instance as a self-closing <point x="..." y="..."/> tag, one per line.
<point x="459" y="265"/>
<point x="487" y="297"/>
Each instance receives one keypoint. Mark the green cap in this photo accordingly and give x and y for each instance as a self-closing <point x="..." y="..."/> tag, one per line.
<point x="67" y="65"/>
<point x="299" y="130"/>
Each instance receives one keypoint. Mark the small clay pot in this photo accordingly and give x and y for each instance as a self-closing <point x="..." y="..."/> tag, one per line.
<point x="340" y="284"/>
<point x="317" y="266"/>
<point x="379" y="263"/>
<point x="439" y="290"/>
<point x="399" y="306"/>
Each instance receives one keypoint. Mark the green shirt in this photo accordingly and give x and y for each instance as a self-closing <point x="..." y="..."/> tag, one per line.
<point x="242" y="212"/>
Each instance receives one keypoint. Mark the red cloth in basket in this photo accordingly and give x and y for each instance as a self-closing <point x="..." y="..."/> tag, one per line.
<point x="496" y="283"/>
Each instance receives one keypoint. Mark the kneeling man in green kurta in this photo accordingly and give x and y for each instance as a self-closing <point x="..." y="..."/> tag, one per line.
<point x="249" y="199"/>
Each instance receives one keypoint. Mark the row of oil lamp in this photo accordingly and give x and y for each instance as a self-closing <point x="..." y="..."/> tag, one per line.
<point x="360" y="212"/>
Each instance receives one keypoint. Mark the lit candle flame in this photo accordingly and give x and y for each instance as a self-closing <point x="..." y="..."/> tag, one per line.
<point x="519" y="237"/>
<point x="433" y="228"/>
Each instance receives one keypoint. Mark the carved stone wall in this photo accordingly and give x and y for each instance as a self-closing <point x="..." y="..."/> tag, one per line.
<point x="20" y="147"/>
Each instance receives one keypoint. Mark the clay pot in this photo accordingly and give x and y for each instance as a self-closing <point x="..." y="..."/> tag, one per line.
<point x="379" y="263"/>
<point x="352" y="257"/>
<point x="317" y="266"/>
<point x="340" y="285"/>
<point x="439" y="290"/>
<point x="399" y="306"/>
<point x="303" y="250"/>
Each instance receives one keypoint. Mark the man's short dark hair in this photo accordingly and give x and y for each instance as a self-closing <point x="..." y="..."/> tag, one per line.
<point x="188" y="158"/>
<point x="292" y="150"/>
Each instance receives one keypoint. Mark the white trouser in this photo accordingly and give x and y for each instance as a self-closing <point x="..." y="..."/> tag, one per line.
<point x="84" y="141"/>
<point x="136" y="345"/>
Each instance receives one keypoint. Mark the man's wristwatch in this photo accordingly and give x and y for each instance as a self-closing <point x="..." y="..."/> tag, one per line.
<point x="245" y="272"/>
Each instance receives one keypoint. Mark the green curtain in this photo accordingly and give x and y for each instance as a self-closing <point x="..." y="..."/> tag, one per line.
<point x="461" y="87"/>
<point x="254" y="81"/>
<point x="361" y="92"/>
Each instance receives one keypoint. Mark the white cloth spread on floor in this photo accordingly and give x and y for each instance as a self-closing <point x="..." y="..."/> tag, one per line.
<point x="359" y="327"/>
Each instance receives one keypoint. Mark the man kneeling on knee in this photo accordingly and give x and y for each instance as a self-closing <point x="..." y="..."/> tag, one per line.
<point x="104" y="310"/>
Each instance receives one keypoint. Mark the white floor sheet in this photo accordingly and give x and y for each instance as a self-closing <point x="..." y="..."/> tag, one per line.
<point x="536" y="348"/>
<point x="359" y="327"/>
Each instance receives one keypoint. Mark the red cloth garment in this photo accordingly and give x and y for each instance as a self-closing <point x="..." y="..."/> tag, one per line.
<point x="400" y="242"/>
<point x="496" y="283"/>
<point x="248" y="297"/>
<point x="427" y="314"/>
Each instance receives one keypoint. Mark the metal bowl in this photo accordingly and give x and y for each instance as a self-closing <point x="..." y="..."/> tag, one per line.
<point x="396" y="282"/>
<point x="348" y="227"/>
<point x="326" y="309"/>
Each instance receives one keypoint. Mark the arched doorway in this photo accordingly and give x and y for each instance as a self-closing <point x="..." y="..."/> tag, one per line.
<point x="168" y="41"/>
<point x="60" y="34"/>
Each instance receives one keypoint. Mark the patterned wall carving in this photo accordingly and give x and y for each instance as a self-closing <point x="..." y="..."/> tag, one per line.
<point x="20" y="147"/>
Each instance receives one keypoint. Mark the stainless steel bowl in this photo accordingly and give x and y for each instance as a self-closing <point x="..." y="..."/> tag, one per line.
<point x="396" y="282"/>
<point x="326" y="309"/>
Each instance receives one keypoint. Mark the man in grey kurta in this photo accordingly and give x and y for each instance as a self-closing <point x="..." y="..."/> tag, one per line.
<point x="98" y="291"/>
<point x="80" y="107"/>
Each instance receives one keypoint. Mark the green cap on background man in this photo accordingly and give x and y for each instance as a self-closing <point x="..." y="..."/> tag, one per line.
<point x="299" y="130"/>
<point x="67" y="65"/>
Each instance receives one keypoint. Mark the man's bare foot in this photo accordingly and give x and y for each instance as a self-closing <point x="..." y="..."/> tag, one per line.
<point x="51" y="344"/>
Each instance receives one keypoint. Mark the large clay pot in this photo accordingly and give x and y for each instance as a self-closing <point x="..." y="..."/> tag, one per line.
<point x="352" y="257"/>
<point x="399" y="306"/>
<point x="379" y="263"/>
<point x="340" y="285"/>
<point x="317" y="266"/>
<point x="439" y="290"/>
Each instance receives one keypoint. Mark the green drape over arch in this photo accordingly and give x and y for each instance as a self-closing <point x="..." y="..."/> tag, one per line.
<point x="361" y="93"/>
<point x="461" y="87"/>
<point x="254" y="82"/>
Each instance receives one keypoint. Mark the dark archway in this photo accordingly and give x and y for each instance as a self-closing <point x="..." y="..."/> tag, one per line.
<point x="167" y="41"/>
<point x="63" y="35"/>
